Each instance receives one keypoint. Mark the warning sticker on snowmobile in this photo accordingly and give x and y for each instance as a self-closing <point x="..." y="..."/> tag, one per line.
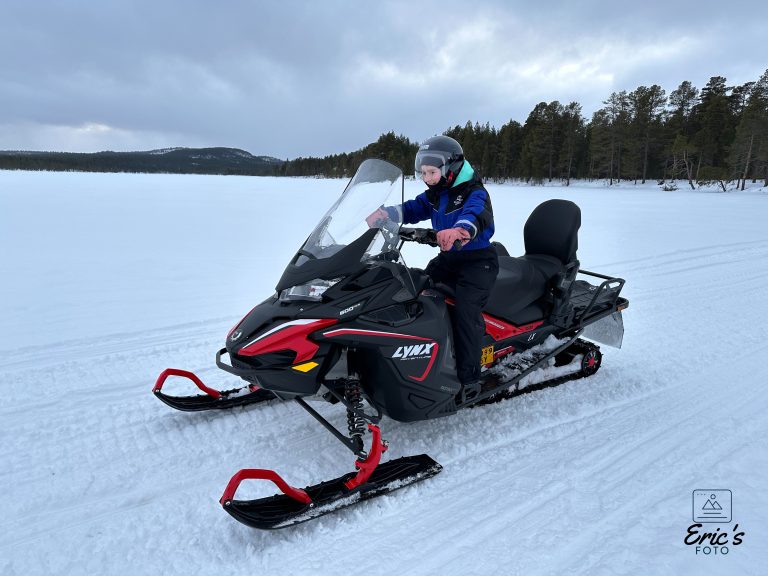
<point x="486" y="356"/>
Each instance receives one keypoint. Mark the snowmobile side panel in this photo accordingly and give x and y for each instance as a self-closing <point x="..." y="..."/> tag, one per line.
<point x="409" y="371"/>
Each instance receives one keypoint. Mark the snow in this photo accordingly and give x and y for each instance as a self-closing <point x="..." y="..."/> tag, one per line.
<point x="108" y="279"/>
<point x="162" y="151"/>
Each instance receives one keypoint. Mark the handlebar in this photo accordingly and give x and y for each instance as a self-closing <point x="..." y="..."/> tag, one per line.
<point x="426" y="236"/>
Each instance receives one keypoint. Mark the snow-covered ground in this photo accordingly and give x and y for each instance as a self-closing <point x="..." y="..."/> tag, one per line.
<point x="107" y="279"/>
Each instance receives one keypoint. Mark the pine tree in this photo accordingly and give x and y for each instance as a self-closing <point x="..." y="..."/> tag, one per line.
<point x="573" y="135"/>
<point x="679" y="124"/>
<point x="601" y="145"/>
<point x="647" y="106"/>
<point x="553" y="115"/>
<point x="750" y="147"/>
<point x="614" y="118"/>
<point x="715" y="126"/>
<point x="510" y="143"/>
<point x="533" y="154"/>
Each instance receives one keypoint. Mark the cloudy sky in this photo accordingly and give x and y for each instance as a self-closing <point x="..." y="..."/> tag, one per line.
<point x="287" y="78"/>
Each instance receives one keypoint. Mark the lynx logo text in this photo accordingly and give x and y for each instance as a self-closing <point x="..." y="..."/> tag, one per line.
<point x="415" y="351"/>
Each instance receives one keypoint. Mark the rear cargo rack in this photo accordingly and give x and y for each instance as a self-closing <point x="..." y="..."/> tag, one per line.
<point x="590" y="301"/>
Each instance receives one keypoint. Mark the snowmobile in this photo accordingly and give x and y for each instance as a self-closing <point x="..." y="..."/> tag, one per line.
<point x="351" y="324"/>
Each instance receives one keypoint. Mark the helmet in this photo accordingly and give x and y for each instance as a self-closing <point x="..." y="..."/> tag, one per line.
<point x="442" y="152"/>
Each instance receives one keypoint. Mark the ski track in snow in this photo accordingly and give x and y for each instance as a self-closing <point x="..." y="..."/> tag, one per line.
<point x="593" y="477"/>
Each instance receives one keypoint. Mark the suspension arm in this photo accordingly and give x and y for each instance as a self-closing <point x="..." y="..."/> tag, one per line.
<point x="356" y="449"/>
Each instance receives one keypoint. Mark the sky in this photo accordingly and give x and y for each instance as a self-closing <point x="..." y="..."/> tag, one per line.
<point x="288" y="78"/>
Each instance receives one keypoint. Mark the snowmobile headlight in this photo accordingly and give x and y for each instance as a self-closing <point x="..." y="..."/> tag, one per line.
<point x="311" y="291"/>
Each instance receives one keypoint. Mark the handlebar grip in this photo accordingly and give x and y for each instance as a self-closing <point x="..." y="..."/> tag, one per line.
<point x="457" y="245"/>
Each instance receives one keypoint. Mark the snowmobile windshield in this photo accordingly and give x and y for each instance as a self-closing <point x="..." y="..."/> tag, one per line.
<point x="376" y="183"/>
<point x="348" y="234"/>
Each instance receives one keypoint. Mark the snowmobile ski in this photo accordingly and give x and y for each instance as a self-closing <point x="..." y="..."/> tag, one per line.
<point x="296" y="505"/>
<point x="282" y="510"/>
<point x="212" y="399"/>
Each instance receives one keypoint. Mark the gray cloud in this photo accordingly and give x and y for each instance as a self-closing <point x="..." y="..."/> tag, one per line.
<point x="310" y="78"/>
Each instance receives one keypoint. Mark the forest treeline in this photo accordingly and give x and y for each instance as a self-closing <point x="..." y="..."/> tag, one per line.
<point x="718" y="133"/>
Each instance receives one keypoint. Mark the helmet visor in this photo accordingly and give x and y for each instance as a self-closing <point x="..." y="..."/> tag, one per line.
<point x="434" y="158"/>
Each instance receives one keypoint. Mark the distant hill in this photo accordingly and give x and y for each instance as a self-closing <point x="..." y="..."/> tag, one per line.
<point x="169" y="160"/>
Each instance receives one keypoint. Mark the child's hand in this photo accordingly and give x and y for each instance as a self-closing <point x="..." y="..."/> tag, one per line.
<point x="377" y="218"/>
<point x="446" y="238"/>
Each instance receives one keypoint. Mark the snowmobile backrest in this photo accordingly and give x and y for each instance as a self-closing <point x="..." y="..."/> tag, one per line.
<point x="553" y="229"/>
<point x="501" y="250"/>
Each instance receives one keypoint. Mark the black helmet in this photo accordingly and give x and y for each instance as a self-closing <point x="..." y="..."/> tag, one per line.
<point x="442" y="152"/>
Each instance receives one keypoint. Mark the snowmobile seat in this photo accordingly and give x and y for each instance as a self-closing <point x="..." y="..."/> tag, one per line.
<point x="518" y="289"/>
<point x="523" y="289"/>
<point x="522" y="283"/>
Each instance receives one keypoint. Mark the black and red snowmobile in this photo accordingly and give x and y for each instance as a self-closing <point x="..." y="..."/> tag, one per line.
<point x="352" y="324"/>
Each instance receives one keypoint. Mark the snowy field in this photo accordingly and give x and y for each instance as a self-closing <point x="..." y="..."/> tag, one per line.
<point x="108" y="279"/>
